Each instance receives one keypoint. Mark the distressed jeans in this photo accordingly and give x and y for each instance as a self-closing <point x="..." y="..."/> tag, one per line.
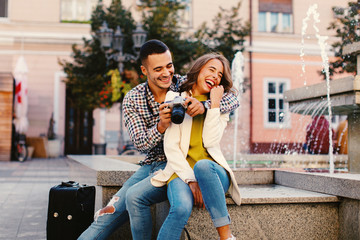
<point x="108" y="219"/>
<point x="213" y="182"/>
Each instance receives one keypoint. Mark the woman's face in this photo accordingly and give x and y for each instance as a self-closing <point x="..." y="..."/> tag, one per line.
<point x="210" y="76"/>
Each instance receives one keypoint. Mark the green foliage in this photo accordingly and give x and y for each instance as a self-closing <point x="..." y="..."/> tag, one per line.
<point x="228" y="34"/>
<point x="347" y="27"/>
<point x="90" y="72"/>
<point x="87" y="72"/>
<point x="161" y="21"/>
<point x="114" y="90"/>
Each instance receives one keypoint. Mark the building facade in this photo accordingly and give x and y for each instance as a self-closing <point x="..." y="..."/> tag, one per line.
<point x="43" y="32"/>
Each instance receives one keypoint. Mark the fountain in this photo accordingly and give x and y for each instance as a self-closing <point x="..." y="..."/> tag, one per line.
<point x="344" y="95"/>
<point x="237" y="73"/>
<point x="283" y="153"/>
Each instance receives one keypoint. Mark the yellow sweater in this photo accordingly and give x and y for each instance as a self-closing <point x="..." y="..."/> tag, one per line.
<point x="196" y="148"/>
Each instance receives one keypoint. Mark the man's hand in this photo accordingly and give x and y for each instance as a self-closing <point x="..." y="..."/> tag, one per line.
<point x="194" y="107"/>
<point x="198" y="200"/>
<point x="216" y="93"/>
<point x="165" y="118"/>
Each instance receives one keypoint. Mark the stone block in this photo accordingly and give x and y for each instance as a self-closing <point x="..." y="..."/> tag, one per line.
<point x="272" y="221"/>
<point x="353" y="144"/>
<point x="349" y="216"/>
<point x="339" y="184"/>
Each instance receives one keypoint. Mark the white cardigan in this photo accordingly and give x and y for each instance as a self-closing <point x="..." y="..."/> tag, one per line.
<point x="176" y="146"/>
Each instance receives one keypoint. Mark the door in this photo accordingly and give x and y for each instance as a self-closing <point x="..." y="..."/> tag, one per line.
<point x="78" y="128"/>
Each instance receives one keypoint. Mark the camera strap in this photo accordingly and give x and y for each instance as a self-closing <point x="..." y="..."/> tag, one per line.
<point x="147" y="101"/>
<point x="176" y="82"/>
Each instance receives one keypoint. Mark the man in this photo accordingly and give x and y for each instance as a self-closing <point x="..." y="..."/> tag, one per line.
<point x="146" y="122"/>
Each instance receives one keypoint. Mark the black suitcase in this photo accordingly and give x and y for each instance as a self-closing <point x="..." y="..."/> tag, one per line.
<point x="70" y="211"/>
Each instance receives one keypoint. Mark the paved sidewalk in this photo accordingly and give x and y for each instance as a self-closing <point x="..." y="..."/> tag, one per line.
<point x="24" y="193"/>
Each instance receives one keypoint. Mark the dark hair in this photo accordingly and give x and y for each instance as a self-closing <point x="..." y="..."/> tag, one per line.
<point x="152" y="47"/>
<point x="192" y="75"/>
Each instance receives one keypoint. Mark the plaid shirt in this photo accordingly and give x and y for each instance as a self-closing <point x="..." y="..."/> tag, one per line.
<point x="141" y="115"/>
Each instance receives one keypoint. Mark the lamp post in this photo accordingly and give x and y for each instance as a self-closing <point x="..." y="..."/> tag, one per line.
<point x="111" y="40"/>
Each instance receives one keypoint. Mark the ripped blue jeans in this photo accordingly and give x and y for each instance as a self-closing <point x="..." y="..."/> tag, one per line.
<point x="111" y="217"/>
<point x="213" y="182"/>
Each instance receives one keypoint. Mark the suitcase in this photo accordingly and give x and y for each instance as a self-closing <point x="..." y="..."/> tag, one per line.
<point x="70" y="210"/>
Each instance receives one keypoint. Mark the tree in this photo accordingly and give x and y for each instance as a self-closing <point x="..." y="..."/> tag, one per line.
<point x="228" y="34"/>
<point x="347" y="27"/>
<point x="161" y="21"/>
<point x="89" y="75"/>
<point x="85" y="74"/>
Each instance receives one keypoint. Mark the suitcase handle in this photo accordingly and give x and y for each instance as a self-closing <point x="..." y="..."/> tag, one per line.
<point x="69" y="183"/>
<point x="72" y="184"/>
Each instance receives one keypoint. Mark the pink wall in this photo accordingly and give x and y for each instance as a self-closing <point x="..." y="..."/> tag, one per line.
<point x="280" y="66"/>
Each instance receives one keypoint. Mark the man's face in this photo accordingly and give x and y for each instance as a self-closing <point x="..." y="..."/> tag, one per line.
<point x="159" y="70"/>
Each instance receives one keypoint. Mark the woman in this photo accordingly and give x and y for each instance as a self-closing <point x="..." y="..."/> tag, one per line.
<point x="197" y="172"/>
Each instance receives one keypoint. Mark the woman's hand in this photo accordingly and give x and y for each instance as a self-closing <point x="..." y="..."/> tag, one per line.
<point x="198" y="200"/>
<point x="216" y="94"/>
<point x="165" y="117"/>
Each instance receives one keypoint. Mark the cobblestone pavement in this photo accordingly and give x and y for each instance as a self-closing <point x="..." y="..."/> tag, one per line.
<point x="24" y="193"/>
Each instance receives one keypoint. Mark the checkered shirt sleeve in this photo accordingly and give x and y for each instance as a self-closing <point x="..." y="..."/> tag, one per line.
<point x="141" y="115"/>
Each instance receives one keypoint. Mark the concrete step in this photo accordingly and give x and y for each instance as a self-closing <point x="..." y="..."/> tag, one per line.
<point x="274" y="212"/>
<point x="268" y="210"/>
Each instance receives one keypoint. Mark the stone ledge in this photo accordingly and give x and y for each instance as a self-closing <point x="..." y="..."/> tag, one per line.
<point x="337" y="86"/>
<point x="295" y="221"/>
<point x="107" y="163"/>
<point x="276" y="194"/>
<point x="339" y="184"/>
<point x="115" y="170"/>
<point x="256" y="186"/>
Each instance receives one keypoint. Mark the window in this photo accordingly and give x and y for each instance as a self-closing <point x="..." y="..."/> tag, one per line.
<point x="77" y="10"/>
<point x="3" y="8"/>
<point x="275" y="16"/>
<point x="286" y="22"/>
<point x="262" y="22"/>
<point x="275" y="22"/>
<point x="276" y="110"/>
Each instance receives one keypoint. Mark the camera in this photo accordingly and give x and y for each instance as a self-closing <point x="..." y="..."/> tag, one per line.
<point x="178" y="109"/>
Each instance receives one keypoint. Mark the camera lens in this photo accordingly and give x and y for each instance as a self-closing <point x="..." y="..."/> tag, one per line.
<point x="178" y="114"/>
